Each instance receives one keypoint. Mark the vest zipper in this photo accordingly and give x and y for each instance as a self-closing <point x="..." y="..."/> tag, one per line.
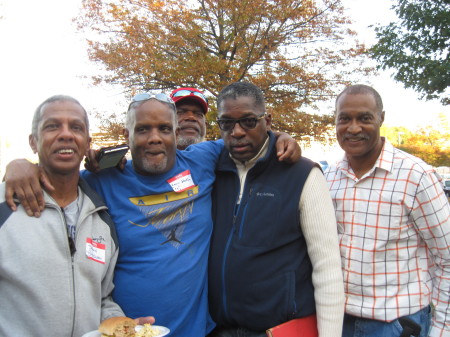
<point x="244" y="213"/>
<point x="230" y="239"/>
<point x="225" y="255"/>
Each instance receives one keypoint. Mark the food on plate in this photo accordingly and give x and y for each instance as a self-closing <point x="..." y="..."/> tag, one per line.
<point x="117" y="327"/>
<point x="148" y="331"/>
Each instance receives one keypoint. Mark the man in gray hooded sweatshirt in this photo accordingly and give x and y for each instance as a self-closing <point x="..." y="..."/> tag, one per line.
<point x="56" y="271"/>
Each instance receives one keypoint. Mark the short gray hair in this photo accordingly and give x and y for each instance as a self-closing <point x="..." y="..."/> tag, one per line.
<point x="130" y="120"/>
<point x="56" y="98"/>
<point x="362" y="89"/>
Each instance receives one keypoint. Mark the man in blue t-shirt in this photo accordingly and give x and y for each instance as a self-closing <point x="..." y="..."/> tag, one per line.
<point x="161" y="205"/>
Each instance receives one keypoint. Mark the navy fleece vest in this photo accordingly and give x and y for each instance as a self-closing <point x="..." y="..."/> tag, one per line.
<point x="259" y="268"/>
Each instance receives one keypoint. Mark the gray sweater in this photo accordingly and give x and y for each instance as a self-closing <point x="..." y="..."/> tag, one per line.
<point x="44" y="290"/>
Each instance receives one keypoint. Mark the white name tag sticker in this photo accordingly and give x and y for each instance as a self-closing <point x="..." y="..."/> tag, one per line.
<point x="181" y="182"/>
<point x="95" y="251"/>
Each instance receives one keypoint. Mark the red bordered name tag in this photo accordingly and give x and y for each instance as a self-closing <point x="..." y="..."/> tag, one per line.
<point x="181" y="182"/>
<point x="95" y="251"/>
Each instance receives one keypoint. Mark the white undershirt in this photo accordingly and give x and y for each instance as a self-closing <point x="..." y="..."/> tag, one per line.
<point x="244" y="167"/>
<point x="72" y="213"/>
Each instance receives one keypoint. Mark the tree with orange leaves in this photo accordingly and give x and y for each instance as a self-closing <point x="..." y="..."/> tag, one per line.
<point x="297" y="51"/>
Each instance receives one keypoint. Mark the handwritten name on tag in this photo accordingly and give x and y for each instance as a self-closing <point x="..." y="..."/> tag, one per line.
<point x="181" y="182"/>
<point x="95" y="251"/>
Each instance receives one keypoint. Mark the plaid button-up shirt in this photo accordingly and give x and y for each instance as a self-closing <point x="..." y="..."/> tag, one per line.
<point x="394" y="235"/>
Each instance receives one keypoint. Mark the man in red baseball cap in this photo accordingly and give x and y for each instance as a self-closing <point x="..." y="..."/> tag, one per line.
<point x="192" y="106"/>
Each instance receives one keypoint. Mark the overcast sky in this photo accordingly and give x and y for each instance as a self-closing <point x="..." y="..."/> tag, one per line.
<point x="42" y="55"/>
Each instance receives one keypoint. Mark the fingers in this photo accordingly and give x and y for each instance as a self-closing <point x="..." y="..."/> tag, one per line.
<point x="145" y="320"/>
<point x="284" y="151"/>
<point x="45" y="181"/>
<point x="294" y="152"/>
<point x="122" y="163"/>
<point x="282" y="156"/>
<point x="281" y="146"/>
<point x="288" y="149"/>
<point x="90" y="162"/>
<point x="29" y="193"/>
<point x="22" y="181"/>
<point x="9" y="196"/>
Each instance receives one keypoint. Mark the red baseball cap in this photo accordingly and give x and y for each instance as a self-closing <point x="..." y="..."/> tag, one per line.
<point x="181" y="94"/>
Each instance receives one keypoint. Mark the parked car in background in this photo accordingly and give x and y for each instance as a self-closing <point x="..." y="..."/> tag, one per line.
<point x="441" y="179"/>
<point x="447" y="187"/>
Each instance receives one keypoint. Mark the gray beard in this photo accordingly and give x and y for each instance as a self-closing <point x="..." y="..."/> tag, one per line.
<point x="152" y="168"/>
<point x="184" y="142"/>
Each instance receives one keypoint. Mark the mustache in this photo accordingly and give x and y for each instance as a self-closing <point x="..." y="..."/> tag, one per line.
<point x="183" y="125"/>
<point x="234" y="142"/>
<point x="360" y="136"/>
<point x="156" y="151"/>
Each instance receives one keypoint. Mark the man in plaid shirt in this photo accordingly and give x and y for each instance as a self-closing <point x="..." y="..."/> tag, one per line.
<point x="394" y="224"/>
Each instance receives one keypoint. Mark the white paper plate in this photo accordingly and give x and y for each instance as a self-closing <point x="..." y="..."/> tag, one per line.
<point x="163" y="331"/>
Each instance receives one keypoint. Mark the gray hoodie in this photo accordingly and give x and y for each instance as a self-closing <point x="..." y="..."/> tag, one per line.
<point x="44" y="290"/>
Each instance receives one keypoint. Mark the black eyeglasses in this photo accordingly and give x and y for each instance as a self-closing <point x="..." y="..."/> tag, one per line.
<point x="145" y="96"/>
<point x="247" y="123"/>
<point x="185" y="92"/>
